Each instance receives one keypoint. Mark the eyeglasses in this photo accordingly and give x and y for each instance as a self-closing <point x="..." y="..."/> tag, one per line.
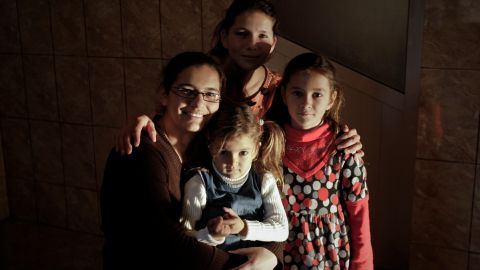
<point x="192" y="93"/>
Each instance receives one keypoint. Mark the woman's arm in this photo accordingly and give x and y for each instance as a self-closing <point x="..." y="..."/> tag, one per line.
<point x="132" y="131"/>
<point x="274" y="226"/>
<point x="349" y="142"/>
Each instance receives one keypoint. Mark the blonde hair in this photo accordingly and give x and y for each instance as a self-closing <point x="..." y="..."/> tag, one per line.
<point x="232" y="121"/>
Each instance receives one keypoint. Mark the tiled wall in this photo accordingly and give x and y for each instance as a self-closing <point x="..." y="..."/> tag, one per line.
<point x="4" y="211"/>
<point x="446" y="212"/>
<point x="71" y="73"/>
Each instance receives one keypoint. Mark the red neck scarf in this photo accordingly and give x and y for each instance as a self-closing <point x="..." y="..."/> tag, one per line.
<point x="307" y="151"/>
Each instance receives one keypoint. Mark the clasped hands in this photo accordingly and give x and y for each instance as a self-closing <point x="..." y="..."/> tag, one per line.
<point x="230" y="223"/>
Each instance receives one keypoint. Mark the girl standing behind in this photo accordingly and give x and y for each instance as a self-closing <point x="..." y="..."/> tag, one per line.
<point x="325" y="190"/>
<point x="234" y="201"/>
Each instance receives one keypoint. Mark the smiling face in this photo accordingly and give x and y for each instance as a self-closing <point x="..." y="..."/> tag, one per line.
<point x="235" y="156"/>
<point x="308" y="95"/>
<point x="184" y="115"/>
<point x="250" y="40"/>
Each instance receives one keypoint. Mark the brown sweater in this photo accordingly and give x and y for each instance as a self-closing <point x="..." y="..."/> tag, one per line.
<point x="141" y="205"/>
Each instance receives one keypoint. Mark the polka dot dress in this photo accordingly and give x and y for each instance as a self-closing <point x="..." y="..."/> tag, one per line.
<point x="319" y="231"/>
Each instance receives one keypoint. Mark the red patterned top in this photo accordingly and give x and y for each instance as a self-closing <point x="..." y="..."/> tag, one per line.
<point x="327" y="206"/>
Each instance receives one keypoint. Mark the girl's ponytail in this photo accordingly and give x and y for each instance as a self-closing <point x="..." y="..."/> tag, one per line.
<point x="272" y="149"/>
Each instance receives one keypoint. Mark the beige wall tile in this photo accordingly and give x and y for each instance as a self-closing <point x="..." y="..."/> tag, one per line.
<point x="475" y="236"/>
<point x="107" y="91"/>
<point x="83" y="210"/>
<point x="474" y="261"/>
<point x="9" y="27"/>
<point x="104" y="30"/>
<point x="51" y="204"/>
<point x="17" y="149"/>
<point x="104" y="143"/>
<point x="142" y="79"/>
<point x="68" y="27"/>
<point x="12" y="96"/>
<point x="442" y="204"/>
<point x="141" y="28"/>
<point x="73" y="89"/>
<point x="47" y="152"/>
<point x="212" y="12"/>
<point x="40" y="83"/>
<point x="4" y="212"/>
<point x="34" y="22"/>
<point x="181" y="26"/>
<point x="448" y="115"/>
<point x="21" y="199"/>
<point x="451" y="34"/>
<point x="78" y="156"/>
<point x="430" y="257"/>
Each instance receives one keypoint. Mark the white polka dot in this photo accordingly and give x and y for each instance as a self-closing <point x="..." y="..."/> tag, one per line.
<point x="323" y="240"/>
<point x="333" y="209"/>
<point x="328" y="170"/>
<point x="351" y="197"/>
<point x="300" y="179"/>
<point x="314" y="204"/>
<point x="351" y="161"/>
<point x="297" y="189"/>
<point x="316" y="185"/>
<point x="355" y="180"/>
<point x="285" y="188"/>
<point x="329" y="185"/>
<point x="322" y="211"/>
<point x="287" y="258"/>
<point x="288" y="178"/>
<point x="357" y="171"/>
<point x="300" y="236"/>
<point x="301" y="250"/>
<point x="347" y="173"/>
<point x="307" y="189"/>
<point x="342" y="254"/>
<point x="326" y="202"/>
<point x="291" y="199"/>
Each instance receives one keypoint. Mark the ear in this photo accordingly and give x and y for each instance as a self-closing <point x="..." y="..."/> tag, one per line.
<point x="163" y="97"/>
<point x="274" y="44"/>
<point x="223" y="39"/>
<point x="333" y="97"/>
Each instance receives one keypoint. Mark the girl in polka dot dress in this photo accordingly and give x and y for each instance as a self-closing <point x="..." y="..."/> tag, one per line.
<point x="325" y="190"/>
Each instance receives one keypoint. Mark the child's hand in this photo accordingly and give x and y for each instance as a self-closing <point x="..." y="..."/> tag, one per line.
<point x="131" y="131"/>
<point x="217" y="228"/>
<point x="236" y="224"/>
<point x="349" y="142"/>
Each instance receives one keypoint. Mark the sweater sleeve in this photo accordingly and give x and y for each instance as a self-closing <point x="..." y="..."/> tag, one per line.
<point x="356" y="197"/>
<point x="194" y="201"/>
<point x="362" y="254"/>
<point x="274" y="226"/>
